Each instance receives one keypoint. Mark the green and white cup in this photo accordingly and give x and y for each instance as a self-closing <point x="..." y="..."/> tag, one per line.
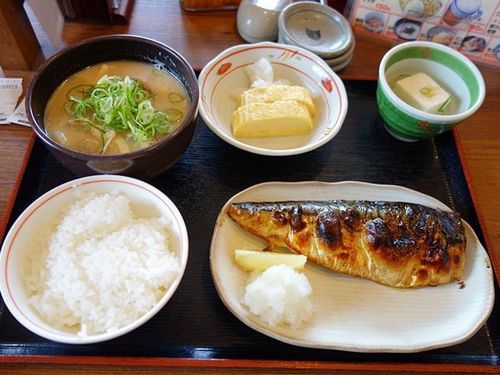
<point x="454" y="72"/>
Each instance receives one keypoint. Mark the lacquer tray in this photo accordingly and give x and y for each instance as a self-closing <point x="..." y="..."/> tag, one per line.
<point x="195" y="328"/>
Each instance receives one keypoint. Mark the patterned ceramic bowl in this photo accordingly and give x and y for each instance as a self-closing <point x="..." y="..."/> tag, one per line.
<point x="449" y="68"/>
<point x="40" y="219"/>
<point x="224" y="78"/>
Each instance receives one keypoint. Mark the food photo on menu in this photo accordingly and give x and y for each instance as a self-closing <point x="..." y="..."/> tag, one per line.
<point x="440" y="34"/>
<point x="473" y="43"/>
<point x="470" y="26"/>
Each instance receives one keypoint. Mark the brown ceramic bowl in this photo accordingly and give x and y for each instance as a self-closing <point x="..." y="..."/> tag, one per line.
<point x="145" y="163"/>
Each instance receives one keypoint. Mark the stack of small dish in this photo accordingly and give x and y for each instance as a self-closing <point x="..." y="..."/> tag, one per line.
<point x="319" y="29"/>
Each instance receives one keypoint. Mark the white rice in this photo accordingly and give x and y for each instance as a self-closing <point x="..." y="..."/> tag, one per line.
<point x="279" y="295"/>
<point x="102" y="268"/>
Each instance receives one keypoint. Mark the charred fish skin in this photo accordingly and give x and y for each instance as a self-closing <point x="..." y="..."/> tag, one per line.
<point x="394" y="243"/>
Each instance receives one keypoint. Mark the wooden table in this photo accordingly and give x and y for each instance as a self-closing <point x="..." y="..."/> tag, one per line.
<point x="199" y="37"/>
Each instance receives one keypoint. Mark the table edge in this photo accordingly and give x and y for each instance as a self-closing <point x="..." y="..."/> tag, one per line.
<point x="249" y="363"/>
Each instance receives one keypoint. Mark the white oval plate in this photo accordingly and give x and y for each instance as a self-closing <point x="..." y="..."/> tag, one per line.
<point x="351" y="313"/>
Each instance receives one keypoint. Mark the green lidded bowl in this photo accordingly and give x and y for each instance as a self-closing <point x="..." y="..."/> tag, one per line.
<point x="454" y="72"/>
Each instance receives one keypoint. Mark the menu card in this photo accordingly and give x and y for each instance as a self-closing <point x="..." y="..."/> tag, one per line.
<point x="469" y="26"/>
<point x="10" y="91"/>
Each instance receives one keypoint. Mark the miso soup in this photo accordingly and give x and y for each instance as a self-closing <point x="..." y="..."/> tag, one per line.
<point x="115" y="107"/>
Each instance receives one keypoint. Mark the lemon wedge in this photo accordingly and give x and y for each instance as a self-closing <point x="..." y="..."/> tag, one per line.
<point x="252" y="260"/>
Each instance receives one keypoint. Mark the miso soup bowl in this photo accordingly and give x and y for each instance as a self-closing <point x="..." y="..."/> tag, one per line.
<point x="454" y="72"/>
<point x="144" y="163"/>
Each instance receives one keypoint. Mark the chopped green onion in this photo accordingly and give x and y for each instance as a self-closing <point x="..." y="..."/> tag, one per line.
<point x="445" y="104"/>
<point x="119" y="104"/>
<point x="78" y="90"/>
<point x="427" y="91"/>
<point x="173" y="97"/>
<point x="174" y="114"/>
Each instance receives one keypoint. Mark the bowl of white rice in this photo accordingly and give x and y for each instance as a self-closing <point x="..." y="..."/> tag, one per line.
<point x="93" y="259"/>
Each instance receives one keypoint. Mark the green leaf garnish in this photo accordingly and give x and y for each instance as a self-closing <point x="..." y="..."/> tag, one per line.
<point x="173" y="97"/>
<point x="174" y="114"/>
<point x="445" y="104"/>
<point x="119" y="104"/>
<point x="427" y="91"/>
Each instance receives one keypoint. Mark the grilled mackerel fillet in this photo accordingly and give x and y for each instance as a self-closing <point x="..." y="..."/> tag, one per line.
<point x="397" y="244"/>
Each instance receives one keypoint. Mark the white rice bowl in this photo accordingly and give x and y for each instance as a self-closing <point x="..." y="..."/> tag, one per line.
<point x="101" y="268"/>
<point x="93" y="259"/>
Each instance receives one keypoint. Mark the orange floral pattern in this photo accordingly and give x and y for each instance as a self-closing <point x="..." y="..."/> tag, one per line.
<point x="224" y="68"/>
